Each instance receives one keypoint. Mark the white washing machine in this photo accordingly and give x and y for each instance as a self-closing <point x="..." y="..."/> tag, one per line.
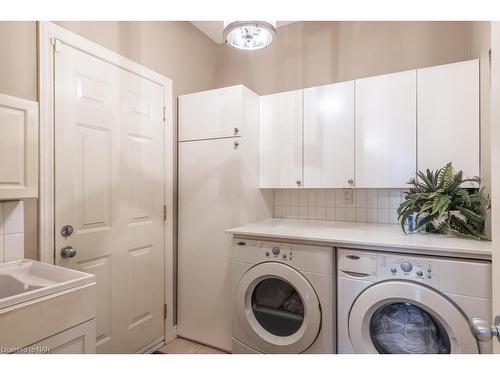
<point x="283" y="298"/>
<point x="396" y="303"/>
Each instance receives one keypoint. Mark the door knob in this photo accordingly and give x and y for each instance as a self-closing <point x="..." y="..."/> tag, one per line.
<point x="67" y="230"/>
<point x="68" y="252"/>
<point x="484" y="331"/>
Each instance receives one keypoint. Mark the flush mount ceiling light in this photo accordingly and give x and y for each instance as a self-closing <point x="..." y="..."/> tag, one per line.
<point x="249" y="35"/>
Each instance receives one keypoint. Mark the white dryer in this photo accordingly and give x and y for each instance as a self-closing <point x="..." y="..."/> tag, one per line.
<point x="283" y="298"/>
<point x="397" y="303"/>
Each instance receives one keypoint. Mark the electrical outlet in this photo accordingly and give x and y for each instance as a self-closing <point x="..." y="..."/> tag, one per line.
<point x="348" y="196"/>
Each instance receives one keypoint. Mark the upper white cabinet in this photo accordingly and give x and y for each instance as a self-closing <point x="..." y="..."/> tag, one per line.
<point x="385" y="141"/>
<point x="212" y="114"/>
<point x="329" y="136"/>
<point x="18" y="148"/>
<point x="448" y="117"/>
<point x="281" y="140"/>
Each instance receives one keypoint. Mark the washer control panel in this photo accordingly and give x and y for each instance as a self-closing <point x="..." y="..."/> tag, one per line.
<point x="278" y="252"/>
<point x="422" y="270"/>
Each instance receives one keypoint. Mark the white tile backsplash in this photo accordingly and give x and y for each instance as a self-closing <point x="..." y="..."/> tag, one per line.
<point x="368" y="205"/>
<point x="12" y="230"/>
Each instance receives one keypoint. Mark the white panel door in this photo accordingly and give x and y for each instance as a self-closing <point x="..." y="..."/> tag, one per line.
<point x="329" y="136"/>
<point x="211" y="114"/>
<point x="209" y="204"/>
<point x="448" y="117"/>
<point x="385" y="140"/>
<point x="109" y="186"/>
<point x="18" y="148"/>
<point x="281" y="140"/>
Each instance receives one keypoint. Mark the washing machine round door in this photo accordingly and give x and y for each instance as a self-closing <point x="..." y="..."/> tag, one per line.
<point x="278" y="308"/>
<point x="404" y="317"/>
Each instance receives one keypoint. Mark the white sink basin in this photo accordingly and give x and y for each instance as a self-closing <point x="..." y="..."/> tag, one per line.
<point x="24" y="280"/>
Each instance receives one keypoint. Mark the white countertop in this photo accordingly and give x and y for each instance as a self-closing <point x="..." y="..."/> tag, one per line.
<point x="388" y="237"/>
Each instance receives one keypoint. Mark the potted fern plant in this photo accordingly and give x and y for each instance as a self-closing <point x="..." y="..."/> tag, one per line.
<point x="444" y="205"/>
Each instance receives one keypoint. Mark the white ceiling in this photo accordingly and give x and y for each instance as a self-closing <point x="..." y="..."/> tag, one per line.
<point x="213" y="29"/>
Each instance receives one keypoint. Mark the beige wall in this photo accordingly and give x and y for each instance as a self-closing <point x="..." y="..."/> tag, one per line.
<point x="18" y="78"/>
<point x="313" y="53"/>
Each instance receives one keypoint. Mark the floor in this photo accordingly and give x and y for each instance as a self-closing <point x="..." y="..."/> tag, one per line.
<point x="183" y="346"/>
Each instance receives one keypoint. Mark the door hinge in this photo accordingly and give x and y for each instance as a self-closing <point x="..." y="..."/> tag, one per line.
<point x="165" y="115"/>
<point x="165" y="311"/>
<point x="164" y="212"/>
<point x="56" y="43"/>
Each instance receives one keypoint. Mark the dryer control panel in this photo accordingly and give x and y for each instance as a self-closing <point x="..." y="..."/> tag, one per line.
<point x="422" y="270"/>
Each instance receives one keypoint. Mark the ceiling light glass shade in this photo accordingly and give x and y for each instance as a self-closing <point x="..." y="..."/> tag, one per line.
<point x="249" y="35"/>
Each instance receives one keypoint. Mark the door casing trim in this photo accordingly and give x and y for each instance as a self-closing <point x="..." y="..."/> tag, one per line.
<point x="48" y="32"/>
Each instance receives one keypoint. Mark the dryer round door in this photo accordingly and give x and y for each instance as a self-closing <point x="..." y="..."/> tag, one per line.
<point x="404" y="317"/>
<point x="278" y="308"/>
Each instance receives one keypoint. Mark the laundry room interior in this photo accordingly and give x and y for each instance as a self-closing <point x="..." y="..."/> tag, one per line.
<point x="201" y="186"/>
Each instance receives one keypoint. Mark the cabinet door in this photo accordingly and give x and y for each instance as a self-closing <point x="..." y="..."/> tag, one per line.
<point x="448" y="117"/>
<point x="18" y="148"/>
<point x="209" y="204"/>
<point x="329" y="136"/>
<point x="77" y="340"/>
<point x="281" y="140"/>
<point x="211" y="114"/>
<point x="385" y="140"/>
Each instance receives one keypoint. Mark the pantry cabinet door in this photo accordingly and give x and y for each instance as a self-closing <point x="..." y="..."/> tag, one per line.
<point x="211" y="114"/>
<point x="329" y="136"/>
<point x="448" y="117"/>
<point x="281" y="140"/>
<point x="385" y="140"/>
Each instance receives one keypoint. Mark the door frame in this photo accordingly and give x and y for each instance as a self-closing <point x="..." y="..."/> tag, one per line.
<point x="48" y="33"/>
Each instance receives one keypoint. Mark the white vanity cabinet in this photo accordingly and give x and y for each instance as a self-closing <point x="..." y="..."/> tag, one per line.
<point x="18" y="148"/>
<point x="385" y="141"/>
<point x="213" y="114"/>
<point x="280" y="132"/>
<point x="329" y="136"/>
<point x="448" y="117"/>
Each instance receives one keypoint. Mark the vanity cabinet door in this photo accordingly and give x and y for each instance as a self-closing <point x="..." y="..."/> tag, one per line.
<point x="18" y="148"/>
<point x="77" y="340"/>
<point x="329" y="136"/>
<point x="281" y="140"/>
<point x="385" y="140"/>
<point x="448" y="117"/>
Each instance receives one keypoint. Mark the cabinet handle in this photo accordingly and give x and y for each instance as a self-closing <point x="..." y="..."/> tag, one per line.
<point x="236" y="144"/>
<point x="236" y="131"/>
<point x="298" y="182"/>
<point x="350" y="181"/>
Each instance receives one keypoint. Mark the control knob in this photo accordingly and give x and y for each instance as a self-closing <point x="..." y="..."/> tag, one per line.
<point x="276" y="250"/>
<point x="406" y="266"/>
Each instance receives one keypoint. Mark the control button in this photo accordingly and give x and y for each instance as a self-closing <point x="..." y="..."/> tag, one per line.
<point x="267" y="253"/>
<point x="420" y="273"/>
<point x="406" y="266"/>
<point x="429" y="270"/>
<point x="429" y="276"/>
<point x="276" y="250"/>
<point x="394" y="270"/>
<point x="284" y="256"/>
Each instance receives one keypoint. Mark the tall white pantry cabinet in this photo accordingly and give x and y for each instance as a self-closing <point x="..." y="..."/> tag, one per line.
<point x="218" y="189"/>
